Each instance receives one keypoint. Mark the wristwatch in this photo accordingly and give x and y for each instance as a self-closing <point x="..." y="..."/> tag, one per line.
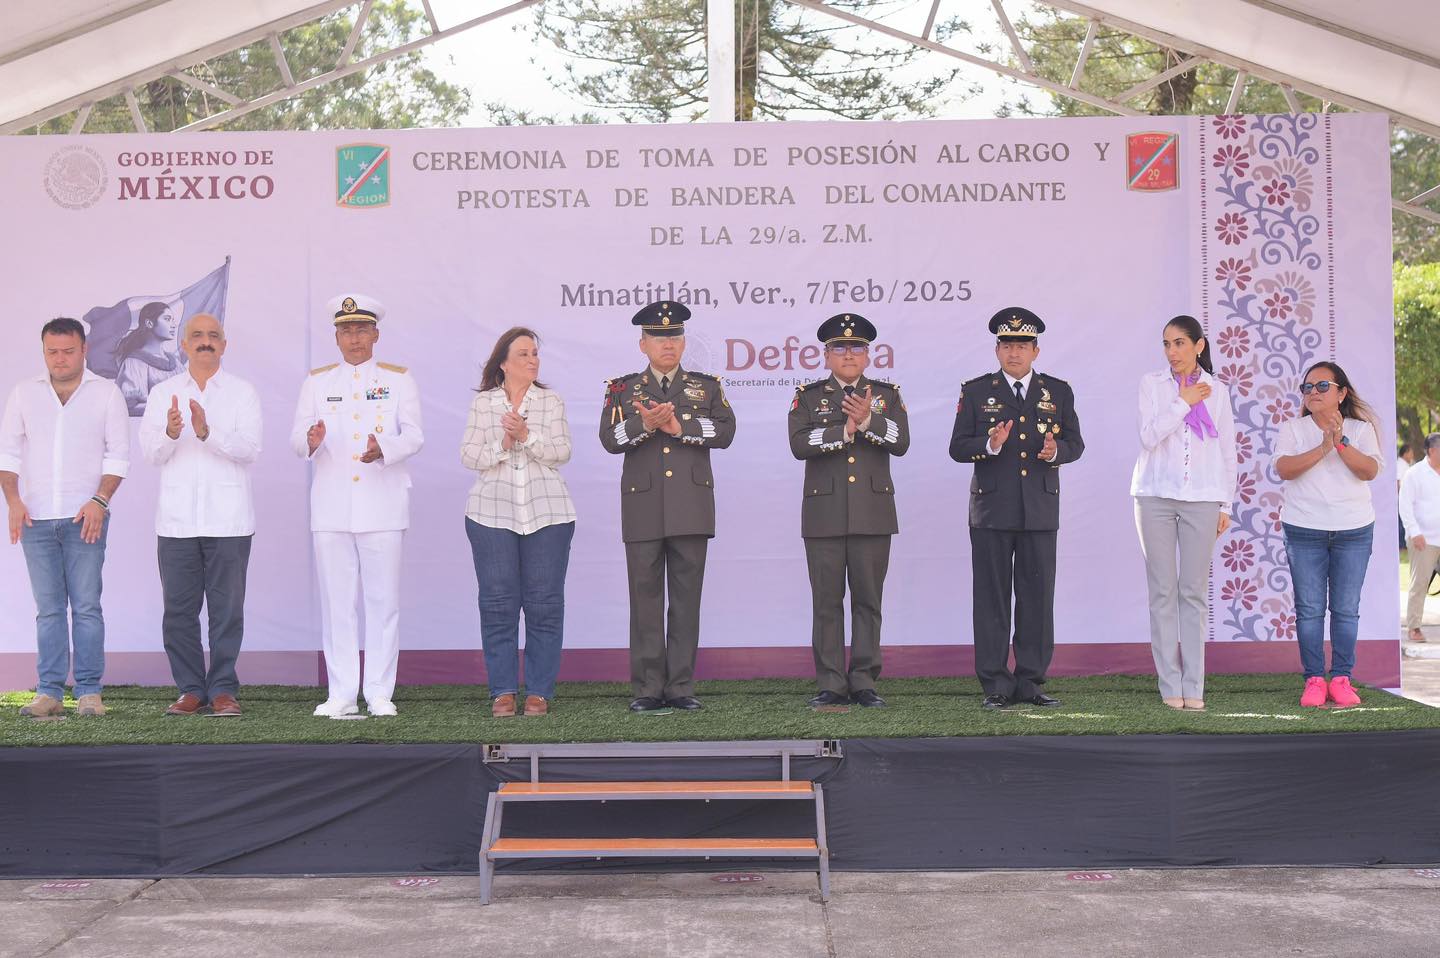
<point x="1344" y="441"/>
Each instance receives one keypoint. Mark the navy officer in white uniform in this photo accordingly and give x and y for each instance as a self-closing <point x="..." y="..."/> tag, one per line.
<point x="358" y="421"/>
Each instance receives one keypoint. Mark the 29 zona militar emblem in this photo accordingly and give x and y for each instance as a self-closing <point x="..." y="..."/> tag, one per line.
<point x="1152" y="161"/>
<point x="362" y="175"/>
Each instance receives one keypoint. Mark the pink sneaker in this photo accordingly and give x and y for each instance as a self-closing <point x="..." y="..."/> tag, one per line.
<point x="1314" y="695"/>
<point x="1341" y="693"/>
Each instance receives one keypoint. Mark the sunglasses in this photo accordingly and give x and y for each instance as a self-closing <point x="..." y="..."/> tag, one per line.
<point x="1323" y="386"/>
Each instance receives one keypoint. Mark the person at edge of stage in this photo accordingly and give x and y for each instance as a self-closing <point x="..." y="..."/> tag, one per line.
<point x="1327" y="457"/>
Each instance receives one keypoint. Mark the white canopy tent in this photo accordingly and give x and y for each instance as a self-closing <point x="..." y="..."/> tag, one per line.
<point x="58" y="57"/>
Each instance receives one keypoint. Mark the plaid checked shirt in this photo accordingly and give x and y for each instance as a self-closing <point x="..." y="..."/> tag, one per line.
<point x="518" y="488"/>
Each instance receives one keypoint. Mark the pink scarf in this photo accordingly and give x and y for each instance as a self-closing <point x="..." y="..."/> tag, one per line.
<point x="1198" y="418"/>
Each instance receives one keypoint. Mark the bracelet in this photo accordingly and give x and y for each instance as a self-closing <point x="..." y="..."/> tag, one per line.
<point x="100" y="502"/>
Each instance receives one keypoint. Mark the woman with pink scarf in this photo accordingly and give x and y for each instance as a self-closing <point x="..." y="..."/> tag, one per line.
<point x="1184" y="485"/>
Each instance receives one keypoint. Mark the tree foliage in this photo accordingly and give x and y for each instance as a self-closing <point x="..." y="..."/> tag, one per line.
<point x="1119" y="60"/>
<point x="1417" y="349"/>
<point x="647" y="60"/>
<point x="397" y="93"/>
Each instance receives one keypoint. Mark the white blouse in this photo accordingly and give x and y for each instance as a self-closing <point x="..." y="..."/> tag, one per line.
<point x="1327" y="496"/>
<point x="1174" y="463"/>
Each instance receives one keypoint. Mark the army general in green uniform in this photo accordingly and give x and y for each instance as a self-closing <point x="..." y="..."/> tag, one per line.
<point x="665" y="420"/>
<point x="846" y="428"/>
<point x="1018" y="427"/>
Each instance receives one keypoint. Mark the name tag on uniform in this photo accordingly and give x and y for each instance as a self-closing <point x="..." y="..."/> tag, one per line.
<point x="378" y="392"/>
<point x="334" y="399"/>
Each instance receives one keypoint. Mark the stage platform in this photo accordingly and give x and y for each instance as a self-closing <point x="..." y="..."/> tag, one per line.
<point x="931" y="783"/>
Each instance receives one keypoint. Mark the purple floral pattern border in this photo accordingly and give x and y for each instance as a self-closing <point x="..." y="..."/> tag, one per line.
<point x="1266" y="257"/>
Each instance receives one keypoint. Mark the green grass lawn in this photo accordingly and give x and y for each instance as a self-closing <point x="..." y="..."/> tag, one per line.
<point x="734" y="710"/>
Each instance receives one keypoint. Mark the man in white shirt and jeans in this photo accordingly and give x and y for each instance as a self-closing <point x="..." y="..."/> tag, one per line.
<point x="68" y="435"/>
<point x="1420" y="514"/>
<point x="202" y="429"/>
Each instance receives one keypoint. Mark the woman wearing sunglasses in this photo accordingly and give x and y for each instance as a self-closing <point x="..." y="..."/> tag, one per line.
<point x="1327" y="456"/>
<point x="1183" y="484"/>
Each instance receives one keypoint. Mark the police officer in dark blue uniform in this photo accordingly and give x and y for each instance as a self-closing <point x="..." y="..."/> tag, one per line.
<point x="1018" y="427"/>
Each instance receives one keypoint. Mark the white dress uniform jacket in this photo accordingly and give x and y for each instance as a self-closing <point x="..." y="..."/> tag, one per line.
<point x="355" y="403"/>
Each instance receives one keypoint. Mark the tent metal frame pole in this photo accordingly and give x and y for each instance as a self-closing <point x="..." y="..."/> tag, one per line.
<point x="356" y="66"/>
<point x="183" y="62"/>
<point x="720" y="53"/>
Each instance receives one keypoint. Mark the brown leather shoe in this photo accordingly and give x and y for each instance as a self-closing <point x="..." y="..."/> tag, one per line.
<point x="503" y="706"/>
<point x="224" y="706"/>
<point x="43" y="706"/>
<point x="535" y="705"/>
<point x="187" y="704"/>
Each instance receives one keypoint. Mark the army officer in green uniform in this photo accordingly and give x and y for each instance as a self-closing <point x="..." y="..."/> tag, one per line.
<point x="1018" y="427"/>
<point x="845" y="428"/>
<point x="665" y="420"/>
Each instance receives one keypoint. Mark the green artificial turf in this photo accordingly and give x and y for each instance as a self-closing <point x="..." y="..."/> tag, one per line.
<point x="734" y="710"/>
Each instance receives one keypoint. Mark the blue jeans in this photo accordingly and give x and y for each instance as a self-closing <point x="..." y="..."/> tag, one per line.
<point x="516" y="572"/>
<point x="1328" y="563"/>
<point x="65" y="578"/>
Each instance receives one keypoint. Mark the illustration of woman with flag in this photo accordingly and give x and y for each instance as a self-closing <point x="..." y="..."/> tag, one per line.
<point x="147" y="355"/>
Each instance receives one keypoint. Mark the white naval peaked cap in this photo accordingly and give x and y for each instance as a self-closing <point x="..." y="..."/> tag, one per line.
<point x="356" y="308"/>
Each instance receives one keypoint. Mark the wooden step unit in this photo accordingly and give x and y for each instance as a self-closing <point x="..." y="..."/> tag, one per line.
<point x="494" y="848"/>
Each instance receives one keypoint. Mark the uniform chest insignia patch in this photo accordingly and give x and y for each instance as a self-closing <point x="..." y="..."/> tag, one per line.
<point x="878" y="404"/>
<point x="1045" y="394"/>
<point x="694" y="392"/>
<point x="1045" y="406"/>
<point x="378" y="392"/>
<point x="638" y="386"/>
<point x="824" y="404"/>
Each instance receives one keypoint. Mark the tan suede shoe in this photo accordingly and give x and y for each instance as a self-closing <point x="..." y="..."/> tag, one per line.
<point x="90" y="705"/>
<point x="43" y="706"/>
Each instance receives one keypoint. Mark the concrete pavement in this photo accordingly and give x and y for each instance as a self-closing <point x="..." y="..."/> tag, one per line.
<point x="1224" y="913"/>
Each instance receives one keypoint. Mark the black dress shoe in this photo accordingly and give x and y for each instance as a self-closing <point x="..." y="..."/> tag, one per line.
<point x="646" y="704"/>
<point x="1042" y="699"/>
<point x="687" y="702"/>
<point x="828" y="698"/>
<point x="995" y="702"/>
<point x="868" y="698"/>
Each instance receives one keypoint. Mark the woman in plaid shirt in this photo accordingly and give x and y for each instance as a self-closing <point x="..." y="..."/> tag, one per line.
<point x="520" y="520"/>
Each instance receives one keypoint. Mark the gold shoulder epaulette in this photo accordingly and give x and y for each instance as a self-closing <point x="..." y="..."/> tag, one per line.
<point x="323" y="369"/>
<point x="393" y="368"/>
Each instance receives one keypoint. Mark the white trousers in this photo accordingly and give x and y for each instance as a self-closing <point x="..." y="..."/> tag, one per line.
<point x="349" y="564"/>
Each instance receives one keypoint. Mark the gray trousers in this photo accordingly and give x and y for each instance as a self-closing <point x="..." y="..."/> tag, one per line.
<point x="663" y="642"/>
<point x="1179" y="588"/>
<point x="862" y="562"/>
<point x="209" y="570"/>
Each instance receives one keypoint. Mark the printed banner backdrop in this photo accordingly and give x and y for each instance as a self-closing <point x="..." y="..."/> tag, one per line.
<point x="1273" y="230"/>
